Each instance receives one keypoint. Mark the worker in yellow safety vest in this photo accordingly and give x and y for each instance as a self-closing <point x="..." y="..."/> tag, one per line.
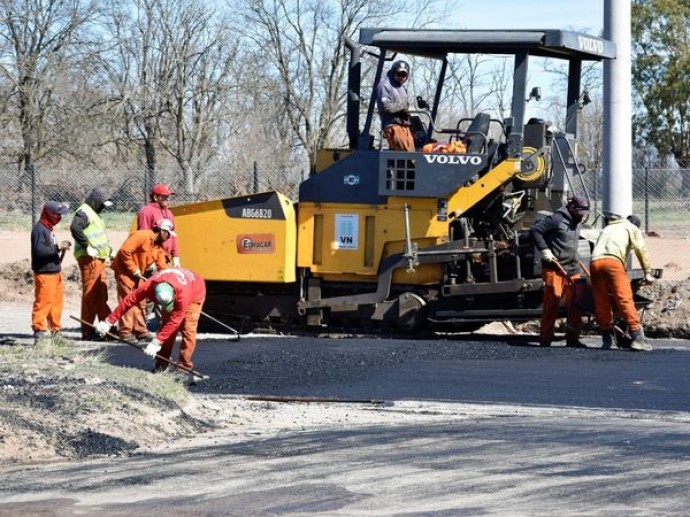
<point x="93" y="252"/>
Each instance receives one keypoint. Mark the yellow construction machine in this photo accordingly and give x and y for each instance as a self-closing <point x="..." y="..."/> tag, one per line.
<point x="404" y="238"/>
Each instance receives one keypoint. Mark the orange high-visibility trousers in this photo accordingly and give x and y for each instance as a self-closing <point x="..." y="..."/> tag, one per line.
<point x="399" y="137"/>
<point x="47" y="310"/>
<point x="94" y="293"/>
<point x="188" y="330"/>
<point x="555" y="287"/>
<point x="132" y="322"/>
<point x="610" y="279"/>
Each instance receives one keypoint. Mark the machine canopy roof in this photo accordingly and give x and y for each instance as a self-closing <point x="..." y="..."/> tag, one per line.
<point x="437" y="43"/>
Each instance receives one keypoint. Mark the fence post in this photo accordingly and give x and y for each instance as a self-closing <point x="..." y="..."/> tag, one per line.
<point x="255" y="186"/>
<point x="646" y="199"/>
<point x="595" y="194"/>
<point x="149" y="182"/>
<point x="34" y="193"/>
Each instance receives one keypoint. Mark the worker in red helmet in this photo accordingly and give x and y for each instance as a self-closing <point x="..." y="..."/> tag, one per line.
<point x="157" y="209"/>
<point x="180" y="295"/>
<point x="556" y="237"/>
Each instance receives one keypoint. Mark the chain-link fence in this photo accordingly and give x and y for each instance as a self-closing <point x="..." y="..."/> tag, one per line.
<point x="22" y="194"/>
<point x="661" y="197"/>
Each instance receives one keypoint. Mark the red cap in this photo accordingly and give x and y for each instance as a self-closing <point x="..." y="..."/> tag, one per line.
<point x="161" y="190"/>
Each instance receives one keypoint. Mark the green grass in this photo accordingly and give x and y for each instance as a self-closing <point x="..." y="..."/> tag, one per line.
<point x="16" y="222"/>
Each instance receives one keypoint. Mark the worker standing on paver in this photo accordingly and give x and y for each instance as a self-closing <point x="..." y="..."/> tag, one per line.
<point x="157" y="209"/>
<point x="610" y="277"/>
<point x="141" y="254"/>
<point x="46" y="264"/>
<point x="556" y="237"/>
<point x="180" y="294"/>
<point x="393" y="106"/>
<point x="92" y="251"/>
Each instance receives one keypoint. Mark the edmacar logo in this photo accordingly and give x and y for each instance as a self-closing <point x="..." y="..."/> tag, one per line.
<point x="591" y="44"/>
<point x="453" y="159"/>
<point x="257" y="213"/>
<point x="251" y="243"/>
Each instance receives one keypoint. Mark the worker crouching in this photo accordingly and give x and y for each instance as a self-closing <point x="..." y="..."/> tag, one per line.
<point x="180" y="295"/>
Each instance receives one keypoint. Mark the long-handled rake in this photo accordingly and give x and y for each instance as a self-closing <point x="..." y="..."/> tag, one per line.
<point x="141" y="349"/>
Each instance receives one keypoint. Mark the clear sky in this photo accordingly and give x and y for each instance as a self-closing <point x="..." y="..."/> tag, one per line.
<point x="579" y="15"/>
<point x="582" y="15"/>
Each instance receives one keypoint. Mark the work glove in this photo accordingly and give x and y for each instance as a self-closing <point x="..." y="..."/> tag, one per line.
<point x="111" y="253"/>
<point x="548" y="256"/>
<point x="151" y="269"/>
<point x="91" y="251"/>
<point x="176" y="262"/>
<point x="137" y="274"/>
<point x="102" y="327"/>
<point x="65" y="245"/>
<point x="648" y="278"/>
<point x="153" y="347"/>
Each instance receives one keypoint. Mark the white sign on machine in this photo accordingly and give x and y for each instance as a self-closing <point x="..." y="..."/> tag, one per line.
<point x="346" y="231"/>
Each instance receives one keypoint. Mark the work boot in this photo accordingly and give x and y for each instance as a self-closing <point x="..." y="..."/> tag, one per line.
<point x="58" y="338"/>
<point x="638" y="341"/>
<point x="608" y="339"/>
<point x="40" y="335"/>
<point x="128" y="338"/>
<point x="575" y="343"/>
<point x="545" y="343"/>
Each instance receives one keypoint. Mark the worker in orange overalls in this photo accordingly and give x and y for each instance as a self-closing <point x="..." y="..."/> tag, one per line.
<point x="610" y="277"/>
<point x="180" y="294"/>
<point x="141" y="254"/>
<point x="46" y="263"/>
<point x="93" y="252"/>
<point x="556" y="237"/>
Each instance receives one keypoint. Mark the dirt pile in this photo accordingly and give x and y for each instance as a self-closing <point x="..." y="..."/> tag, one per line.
<point x="60" y="401"/>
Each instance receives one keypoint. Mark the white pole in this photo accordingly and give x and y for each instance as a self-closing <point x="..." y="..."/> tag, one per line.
<point x="618" y="110"/>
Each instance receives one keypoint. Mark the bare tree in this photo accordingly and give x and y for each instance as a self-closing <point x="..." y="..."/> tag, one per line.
<point x="199" y="83"/>
<point x="42" y="38"/>
<point x="138" y="66"/>
<point x="300" y="45"/>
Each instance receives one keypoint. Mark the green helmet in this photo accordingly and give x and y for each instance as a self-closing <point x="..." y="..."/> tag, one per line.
<point x="165" y="296"/>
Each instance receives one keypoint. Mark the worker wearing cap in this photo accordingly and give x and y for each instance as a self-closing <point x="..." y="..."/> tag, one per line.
<point x="141" y="254"/>
<point x="46" y="264"/>
<point x="556" y="238"/>
<point x="180" y="294"/>
<point x="92" y="250"/>
<point x="157" y="209"/>
<point x="610" y="277"/>
<point x="392" y="103"/>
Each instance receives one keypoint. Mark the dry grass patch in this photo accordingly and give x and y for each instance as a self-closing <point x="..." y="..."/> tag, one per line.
<point x="59" y="400"/>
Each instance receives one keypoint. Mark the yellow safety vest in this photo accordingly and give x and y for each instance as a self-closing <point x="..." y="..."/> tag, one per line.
<point x="95" y="234"/>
